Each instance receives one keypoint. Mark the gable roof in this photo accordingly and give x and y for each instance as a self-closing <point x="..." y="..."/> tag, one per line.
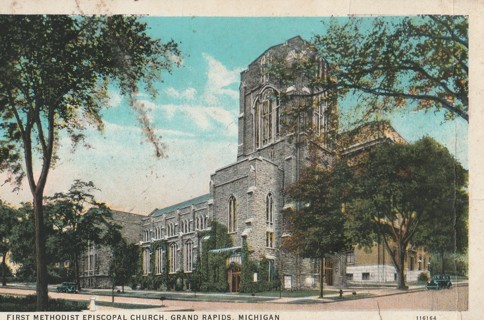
<point x="184" y="204"/>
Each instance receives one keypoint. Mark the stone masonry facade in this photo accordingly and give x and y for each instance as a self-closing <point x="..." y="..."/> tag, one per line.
<point x="95" y="262"/>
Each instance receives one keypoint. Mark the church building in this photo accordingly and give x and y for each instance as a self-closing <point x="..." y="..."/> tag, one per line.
<point x="247" y="196"/>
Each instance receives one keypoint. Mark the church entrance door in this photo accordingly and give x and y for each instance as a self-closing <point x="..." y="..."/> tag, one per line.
<point x="234" y="278"/>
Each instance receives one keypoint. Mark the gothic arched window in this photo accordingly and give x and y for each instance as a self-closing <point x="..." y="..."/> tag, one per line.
<point x="232" y="221"/>
<point x="269" y="210"/>
<point x="146" y="261"/>
<point x="266" y="117"/>
<point x="159" y="260"/>
<point x="172" y="257"/>
<point x="188" y="256"/>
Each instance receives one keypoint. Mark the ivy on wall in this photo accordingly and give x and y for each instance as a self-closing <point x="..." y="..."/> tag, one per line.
<point x="267" y="279"/>
<point x="210" y="270"/>
<point x="213" y="265"/>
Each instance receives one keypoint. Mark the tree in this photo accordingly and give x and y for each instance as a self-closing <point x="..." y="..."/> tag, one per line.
<point x="316" y="222"/>
<point x="23" y="243"/>
<point x="400" y="191"/>
<point x="391" y="63"/>
<point x="8" y="218"/>
<point x="452" y="225"/>
<point x="79" y="219"/>
<point x="124" y="259"/>
<point x="55" y="72"/>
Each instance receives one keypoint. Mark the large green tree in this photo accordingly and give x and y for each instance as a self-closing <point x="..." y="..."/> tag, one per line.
<point x="79" y="219"/>
<point x="8" y="219"/>
<point x="400" y="192"/>
<point x="316" y="220"/>
<point x="396" y="62"/>
<point x="54" y="76"/>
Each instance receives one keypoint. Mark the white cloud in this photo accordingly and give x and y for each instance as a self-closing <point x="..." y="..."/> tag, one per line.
<point x="188" y="93"/>
<point x="215" y="108"/>
<point x="204" y="118"/>
<point x="219" y="78"/>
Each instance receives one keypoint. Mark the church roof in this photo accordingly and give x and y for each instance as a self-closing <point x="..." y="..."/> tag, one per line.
<point x="296" y="41"/>
<point x="369" y="134"/>
<point x="184" y="204"/>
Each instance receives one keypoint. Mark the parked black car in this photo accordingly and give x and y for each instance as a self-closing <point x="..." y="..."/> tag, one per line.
<point x="439" y="281"/>
<point x="67" y="287"/>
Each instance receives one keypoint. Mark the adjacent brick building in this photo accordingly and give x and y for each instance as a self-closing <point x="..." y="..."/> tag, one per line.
<point x="95" y="262"/>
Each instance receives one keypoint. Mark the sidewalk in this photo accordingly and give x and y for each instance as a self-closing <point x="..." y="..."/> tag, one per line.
<point x="149" y="301"/>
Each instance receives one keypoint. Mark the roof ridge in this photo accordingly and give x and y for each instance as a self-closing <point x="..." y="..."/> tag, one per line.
<point x="182" y="204"/>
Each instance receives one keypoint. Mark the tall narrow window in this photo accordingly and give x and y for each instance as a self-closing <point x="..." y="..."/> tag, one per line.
<point x="350" y="258"/>
<point x="269" y="239"/>
<point x="232" y="214"/>
<point x="188" y="256"/>
<point x="146" y="261"/>
<point x="269" y="210"/>
<point x="266" y="117"/>
<point x="159" y="260"/>
<point x="173" y="257"/>
<point x="204" y="222"/>
<point x="278" y="118"/>
<point x="257" y="124"/>
<point x="266" y="121"/>
<point x="320" y="119"/>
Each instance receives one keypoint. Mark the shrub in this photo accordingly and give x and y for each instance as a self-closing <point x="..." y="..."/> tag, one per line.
<point x="27" y="304"/>
<point x="423" y="277"/>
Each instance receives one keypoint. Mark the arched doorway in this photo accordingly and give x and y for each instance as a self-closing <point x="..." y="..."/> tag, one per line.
<point x="234" y="277"/>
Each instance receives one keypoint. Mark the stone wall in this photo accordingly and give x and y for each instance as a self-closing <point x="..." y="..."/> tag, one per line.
<point x="98" y="277"/>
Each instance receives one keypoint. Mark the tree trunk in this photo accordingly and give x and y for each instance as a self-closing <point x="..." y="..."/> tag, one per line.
<point x="401" y="268"/>
<point x="442" y="266"/>
<point x="321" y="278"/>
<point x="4" y="268"/>
<point x="40" y="253"/>
<point x="76" y="266"/>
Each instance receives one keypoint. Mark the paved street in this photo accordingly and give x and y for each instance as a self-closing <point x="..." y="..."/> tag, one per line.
<point x="455" y="299"/>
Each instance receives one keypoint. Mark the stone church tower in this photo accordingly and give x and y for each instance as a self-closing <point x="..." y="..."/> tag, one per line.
<point x="275" y="115"/>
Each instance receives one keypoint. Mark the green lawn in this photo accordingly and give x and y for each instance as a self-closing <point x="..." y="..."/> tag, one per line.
<point x="12" y="303"/>
<point x="295" y="294"/>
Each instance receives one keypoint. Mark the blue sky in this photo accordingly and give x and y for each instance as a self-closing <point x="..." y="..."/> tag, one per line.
<point x="196" y="113"/>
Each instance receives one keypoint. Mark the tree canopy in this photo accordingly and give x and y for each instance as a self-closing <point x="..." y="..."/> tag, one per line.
<point x="316" y="221"/>
<point x="54" y="77"/>
<point x="401" y="191"/>
<point x="78" y="220"/>
<point x="393" y="62"/>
